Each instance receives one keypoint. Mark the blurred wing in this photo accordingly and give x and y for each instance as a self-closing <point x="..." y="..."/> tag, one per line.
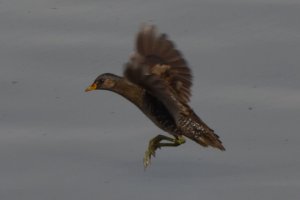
<point x="157" y="87"/>
<point x="156" y="55"/>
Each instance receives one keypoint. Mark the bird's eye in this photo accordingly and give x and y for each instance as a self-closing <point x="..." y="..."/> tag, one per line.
<point x="101" y="81"/>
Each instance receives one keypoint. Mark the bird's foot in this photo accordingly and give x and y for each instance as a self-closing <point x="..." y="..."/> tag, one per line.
<point x="155" y="144"/>
<point x="150" y="152"/>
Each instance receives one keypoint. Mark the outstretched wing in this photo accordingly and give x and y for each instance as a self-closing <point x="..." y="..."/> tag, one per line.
<point x="157" y="87"/>
<point x="156" y="55"/>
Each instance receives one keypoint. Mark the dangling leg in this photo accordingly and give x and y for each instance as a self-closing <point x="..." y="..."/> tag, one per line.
<point x="155" y="144"/>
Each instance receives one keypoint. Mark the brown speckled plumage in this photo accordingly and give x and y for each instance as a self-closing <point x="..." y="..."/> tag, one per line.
<point x="157" y="79"/>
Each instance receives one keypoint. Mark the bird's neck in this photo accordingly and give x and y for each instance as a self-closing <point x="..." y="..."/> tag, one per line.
<point x="130" y="91"/>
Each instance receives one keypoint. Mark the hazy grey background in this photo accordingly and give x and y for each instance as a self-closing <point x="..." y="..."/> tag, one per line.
<point x="57" y="142"/>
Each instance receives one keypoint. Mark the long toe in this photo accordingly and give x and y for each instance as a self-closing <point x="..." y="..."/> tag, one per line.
<point x="147" y="159"/>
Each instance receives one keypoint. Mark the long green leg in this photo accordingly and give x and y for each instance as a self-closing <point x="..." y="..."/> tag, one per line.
<point x="155" y="143"/>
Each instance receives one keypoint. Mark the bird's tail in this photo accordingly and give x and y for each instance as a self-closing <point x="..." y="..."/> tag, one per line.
<point x="198" y="131"/>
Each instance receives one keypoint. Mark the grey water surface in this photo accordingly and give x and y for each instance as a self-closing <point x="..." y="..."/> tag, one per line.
<point x="58" y="142"/>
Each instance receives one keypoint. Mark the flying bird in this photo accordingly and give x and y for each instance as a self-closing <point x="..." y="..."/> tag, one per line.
<point x="158" y="81"/>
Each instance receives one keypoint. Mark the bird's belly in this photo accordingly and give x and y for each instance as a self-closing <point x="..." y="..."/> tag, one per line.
<point x="159" y="115"/>
<point x="164" y="122"/>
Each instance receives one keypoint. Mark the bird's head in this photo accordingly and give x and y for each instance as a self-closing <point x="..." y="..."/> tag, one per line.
<point x="105" y="81"/>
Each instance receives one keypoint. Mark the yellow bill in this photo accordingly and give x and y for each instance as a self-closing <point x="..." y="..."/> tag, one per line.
<point x="91" y="87"/>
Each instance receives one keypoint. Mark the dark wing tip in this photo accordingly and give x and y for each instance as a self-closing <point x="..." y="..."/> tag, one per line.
<point x="145" y="39"/>
<point x="156" y="49"/>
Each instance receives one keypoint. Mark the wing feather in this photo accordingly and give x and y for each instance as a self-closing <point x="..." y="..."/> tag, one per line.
<point x="158" y="88"/>
<point x="157" y="55"/>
